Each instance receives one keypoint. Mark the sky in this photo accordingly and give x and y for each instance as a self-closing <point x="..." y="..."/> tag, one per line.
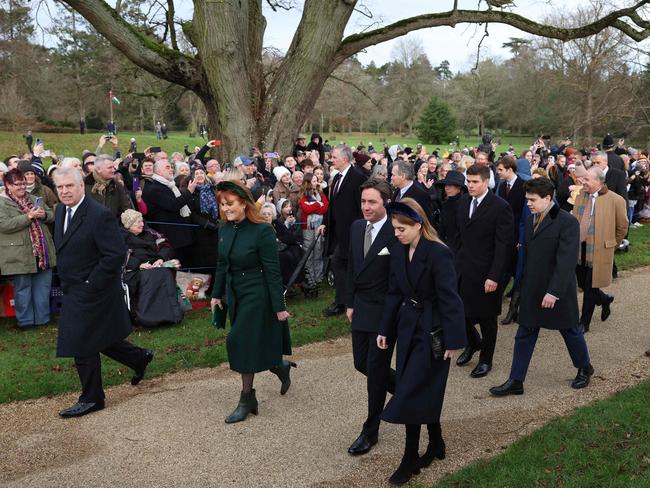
<point x="457" y="45"/>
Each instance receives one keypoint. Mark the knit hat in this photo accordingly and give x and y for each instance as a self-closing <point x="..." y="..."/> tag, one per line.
<point x="25" y="166"/>
<point x="608" y="142"/>
<point x="280" y="203"/>
<point x="280" y="171"/>
<point x="129" y="217"/>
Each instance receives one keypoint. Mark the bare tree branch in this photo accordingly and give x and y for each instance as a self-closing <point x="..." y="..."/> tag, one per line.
<point x="352" y="84"/>
<point x="141" y="49"/>
<point x="639" y="31"/>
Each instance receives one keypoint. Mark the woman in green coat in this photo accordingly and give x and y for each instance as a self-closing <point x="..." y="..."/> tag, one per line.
<point x="248" y="276"/>
<point x="26" y="250"/>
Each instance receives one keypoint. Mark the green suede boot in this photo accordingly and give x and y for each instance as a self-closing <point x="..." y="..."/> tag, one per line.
<point x="284" y="373"/>
<point x="247" y="404"/>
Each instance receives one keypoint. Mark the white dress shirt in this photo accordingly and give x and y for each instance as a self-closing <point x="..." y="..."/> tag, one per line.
<point x="403" y="191"/>
<point x="376" y="227"/>
<point x="480" y="199"/>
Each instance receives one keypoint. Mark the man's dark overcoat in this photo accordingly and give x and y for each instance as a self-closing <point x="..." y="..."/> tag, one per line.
<point x="486" y="244"/>
<point x="90" y="256"/>
<point x="551" y="256"/>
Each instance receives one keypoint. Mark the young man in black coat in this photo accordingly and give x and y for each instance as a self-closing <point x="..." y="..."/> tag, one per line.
<point x="371" y="240"/>
<point x="548" y="287"/>
<point x="168" y="206"/>
<point x="486" y="241"/>
<point x="94" y="318"/>
<point x="344" y="208"/>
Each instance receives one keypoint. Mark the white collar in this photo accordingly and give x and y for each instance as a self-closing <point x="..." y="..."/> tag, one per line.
<point x="345" y="171"/>
<point x="379" y="224"/>
<point x="74" y="209"/>
<point x="480" y="199"/>
<point x="405" y="189"/>
<point x="512" y="181"/>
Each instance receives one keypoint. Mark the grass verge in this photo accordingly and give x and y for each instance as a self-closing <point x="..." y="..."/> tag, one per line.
<point x="31" y="370"/>
<point x="606" y="444"/>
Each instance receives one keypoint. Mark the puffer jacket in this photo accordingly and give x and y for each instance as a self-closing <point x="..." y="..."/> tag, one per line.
<point x="16" y="251"/>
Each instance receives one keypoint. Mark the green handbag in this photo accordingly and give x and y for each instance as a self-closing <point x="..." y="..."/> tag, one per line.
<point x="220" y="315"/>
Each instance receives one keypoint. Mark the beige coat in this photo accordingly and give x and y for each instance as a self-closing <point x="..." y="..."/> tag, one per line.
<point x="610" y="228"/>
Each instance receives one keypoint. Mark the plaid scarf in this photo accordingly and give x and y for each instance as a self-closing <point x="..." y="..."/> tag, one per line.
<point x="39" y="245"/>
<point x="589" y="248"/>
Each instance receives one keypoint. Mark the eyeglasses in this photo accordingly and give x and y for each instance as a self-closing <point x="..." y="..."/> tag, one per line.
<point x="19" y="183"/>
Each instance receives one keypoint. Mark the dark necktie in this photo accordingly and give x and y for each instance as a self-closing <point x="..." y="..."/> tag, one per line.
<point x="507" y="189"/>
<point x="367" y="240"/>
<point x="337" y="181"/>
<point x="68" y="220"/>
<point x="474" y="207"/>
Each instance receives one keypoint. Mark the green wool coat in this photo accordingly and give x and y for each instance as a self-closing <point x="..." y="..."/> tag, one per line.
<point x="16" y="251"/>
<point x="248" y="276"/>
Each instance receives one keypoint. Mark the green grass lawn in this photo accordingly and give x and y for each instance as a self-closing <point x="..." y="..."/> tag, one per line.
<point x="606" y="444"/>
<point x="75" y="144"/>
<point x="31" y="370"/>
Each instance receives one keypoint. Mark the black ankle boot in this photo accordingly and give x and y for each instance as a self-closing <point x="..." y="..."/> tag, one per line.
<point x="436" y="447"/>
<point x="247" y="404"/>
<point x="284" y="373"/>
<point x="513" y="309"/>
<point x="410" y="463"/>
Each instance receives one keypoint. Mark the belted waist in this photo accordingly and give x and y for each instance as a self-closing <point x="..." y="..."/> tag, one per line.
<point x="411" y="302"/>
<point x="247" y="271"/>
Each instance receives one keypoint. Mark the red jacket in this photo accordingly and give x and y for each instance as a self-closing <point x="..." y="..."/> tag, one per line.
<point x="308" y="208"/>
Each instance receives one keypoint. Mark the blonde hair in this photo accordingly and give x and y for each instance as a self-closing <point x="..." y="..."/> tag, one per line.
<point x="427" y="231"/>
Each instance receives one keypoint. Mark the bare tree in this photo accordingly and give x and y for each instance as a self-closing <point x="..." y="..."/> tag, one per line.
<point x="248" y="105"/>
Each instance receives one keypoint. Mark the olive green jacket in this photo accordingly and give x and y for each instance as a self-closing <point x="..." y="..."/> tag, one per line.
<point x="16" y="251"/>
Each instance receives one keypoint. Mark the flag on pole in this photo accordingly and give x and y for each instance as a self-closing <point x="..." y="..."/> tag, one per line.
<point x="115" y="100"/>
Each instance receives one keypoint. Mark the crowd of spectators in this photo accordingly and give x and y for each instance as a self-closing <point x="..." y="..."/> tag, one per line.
<point x="175" y="194"/>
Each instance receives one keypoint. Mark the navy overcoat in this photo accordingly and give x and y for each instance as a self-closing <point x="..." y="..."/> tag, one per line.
<point x="414" y="307"/>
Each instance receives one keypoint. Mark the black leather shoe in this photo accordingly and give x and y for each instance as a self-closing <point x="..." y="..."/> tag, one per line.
<point x="510" y="387"/>
<point x="80" y="409"/>
<point x="409" y="466"/>
<point x="607" y="310"/>
<point x="334" y="309"/>
<point x="139" y="373"/>
<point x="362" y="445"/>
<point x="482" y="369"/>
<point x="583" y="377"/>
<point x="647" y="353"/>
<point x="467" y="354"/>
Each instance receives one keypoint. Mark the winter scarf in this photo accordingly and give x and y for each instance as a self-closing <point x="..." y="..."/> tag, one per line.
<point x="36" y="235"/>
<point x="185" y="210"/>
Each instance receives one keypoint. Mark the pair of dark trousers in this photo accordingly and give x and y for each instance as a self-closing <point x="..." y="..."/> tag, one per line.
<point x="340" y="268"/>
<point x="591" y="297"/>
<point x="488" y="341"/>
<point x="89" y="368"/>
<point x="526" y="339"/>
<point x="374" y="363"/>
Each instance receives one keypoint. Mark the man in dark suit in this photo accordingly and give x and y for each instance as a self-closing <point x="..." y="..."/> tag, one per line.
<point x="402" y="178"/>
<point x="166" y="203"/>
<point x="344" y="208"/>
<point x="614" y="160"/>
<point x="94" y="318"/>
<point x="371" y="239"/>
<point x="486" y="240"/>
<point x="511" y="189"/>
<point x="548" y="286"/>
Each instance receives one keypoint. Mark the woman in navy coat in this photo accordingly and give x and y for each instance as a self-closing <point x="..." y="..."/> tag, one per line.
<point x="422" y="298"/>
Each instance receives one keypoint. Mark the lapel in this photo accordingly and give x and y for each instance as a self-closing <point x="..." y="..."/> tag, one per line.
<point x="463" y="211"/>
<point x="77" y="220"/>
<point x="227" y="238"/>
<point x="356" y="238"/>
<point x="382" y="239"/>
<point x="420" y="261"/>
<point x="400" y="261"/>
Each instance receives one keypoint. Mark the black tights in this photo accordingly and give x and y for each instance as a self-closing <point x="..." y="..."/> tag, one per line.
<point x="412" y="439"/>
<point x="247" y="382"/>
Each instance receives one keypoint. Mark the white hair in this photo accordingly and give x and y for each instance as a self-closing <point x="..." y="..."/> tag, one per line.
<point x="69" y="163"/>
<point x="101" y="160"/>
<point x="72" y="172"/>
<point x="274" y="212"/>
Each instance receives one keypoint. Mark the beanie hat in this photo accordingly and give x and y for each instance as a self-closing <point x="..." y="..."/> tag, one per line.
<point x="280" y="171"/>
<point x="129" y="217"/>
<point x="24" y="166"/>
<point x="608" y="142"/>
<point x="280" y="204"/>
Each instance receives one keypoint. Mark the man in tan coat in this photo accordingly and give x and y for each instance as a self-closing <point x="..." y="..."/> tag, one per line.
<point x="603" y="225"/>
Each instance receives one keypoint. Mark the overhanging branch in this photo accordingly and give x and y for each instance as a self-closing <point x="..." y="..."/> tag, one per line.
<point x="638" y="30"/>
<point x="144" y="51"/>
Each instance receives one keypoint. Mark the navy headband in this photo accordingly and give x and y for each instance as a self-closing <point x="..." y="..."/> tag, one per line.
<point x="403" y="209"/>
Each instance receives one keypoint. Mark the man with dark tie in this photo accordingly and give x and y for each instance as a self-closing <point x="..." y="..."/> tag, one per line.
<point x="371" y="239"/>
<point x="94" y="318"/>
<point x="344" y="208"/>
<point x="486" y="240"/>
<point x="548" y="287"/>
<point x="511" y="189"/>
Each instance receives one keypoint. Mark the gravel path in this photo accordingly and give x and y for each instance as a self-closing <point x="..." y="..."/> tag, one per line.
<point x="169" y="431"/>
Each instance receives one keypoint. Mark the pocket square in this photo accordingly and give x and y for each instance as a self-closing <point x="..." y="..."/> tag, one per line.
<point x="384" y="252"/>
